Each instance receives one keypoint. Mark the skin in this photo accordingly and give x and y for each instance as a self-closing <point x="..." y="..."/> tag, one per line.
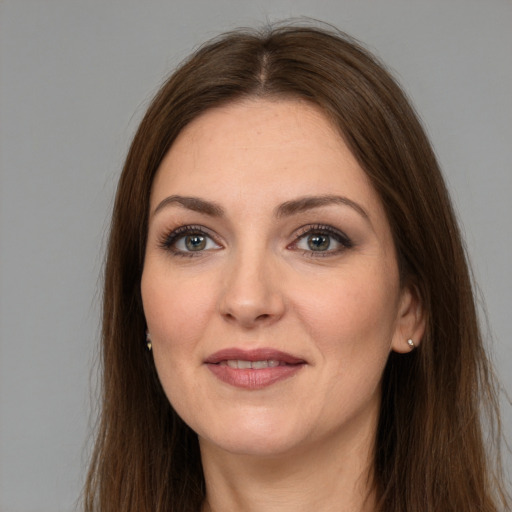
<point x="306" y="442"/>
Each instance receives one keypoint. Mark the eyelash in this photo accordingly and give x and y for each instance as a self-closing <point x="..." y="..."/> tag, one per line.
<point x="168" y="241"/>
<point x="322" y="229"/>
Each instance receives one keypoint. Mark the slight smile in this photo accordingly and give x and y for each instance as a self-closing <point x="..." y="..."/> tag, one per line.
<point x="253" y="369"/>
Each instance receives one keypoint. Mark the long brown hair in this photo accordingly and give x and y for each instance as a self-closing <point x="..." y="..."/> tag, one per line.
<point x="430" y="454"/>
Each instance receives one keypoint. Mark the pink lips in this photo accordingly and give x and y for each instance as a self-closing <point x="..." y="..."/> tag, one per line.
<point x="282" y="366"/>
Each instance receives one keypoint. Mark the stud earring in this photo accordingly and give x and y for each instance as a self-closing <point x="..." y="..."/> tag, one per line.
<point x="411" y="344"/>
<point x="148" y="341"/>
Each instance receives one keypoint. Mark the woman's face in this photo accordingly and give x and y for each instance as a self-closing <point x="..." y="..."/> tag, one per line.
<point x="270" y="283"/>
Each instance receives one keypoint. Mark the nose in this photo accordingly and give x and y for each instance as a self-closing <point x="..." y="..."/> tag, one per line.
<point x="252" y="294"/>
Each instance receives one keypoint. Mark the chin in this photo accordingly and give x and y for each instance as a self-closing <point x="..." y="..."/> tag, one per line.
<point x="253" y="438"/>
<point x="253" y="446"/>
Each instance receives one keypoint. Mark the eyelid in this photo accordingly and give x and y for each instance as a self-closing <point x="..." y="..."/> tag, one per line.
<point x="325" y="229"/>
<point x="168" y="239"/>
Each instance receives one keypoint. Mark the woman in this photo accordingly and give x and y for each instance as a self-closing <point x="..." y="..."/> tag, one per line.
<point x="289" y="322"/>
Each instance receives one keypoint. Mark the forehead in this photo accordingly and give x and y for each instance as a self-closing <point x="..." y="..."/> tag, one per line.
<point x="262" y="149"/>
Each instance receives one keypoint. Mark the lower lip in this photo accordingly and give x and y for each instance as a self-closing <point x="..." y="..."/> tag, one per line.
<point x="251" y="378"/>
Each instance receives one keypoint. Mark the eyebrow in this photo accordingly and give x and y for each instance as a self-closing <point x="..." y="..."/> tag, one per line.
<point x="192" y="203"/>
<point x="286" y="209"/>
<point x="310" y="202"/>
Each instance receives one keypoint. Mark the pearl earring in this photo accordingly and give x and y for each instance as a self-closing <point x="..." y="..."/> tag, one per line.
<point x="148" y="341"/>
<point x="410" y="343"/>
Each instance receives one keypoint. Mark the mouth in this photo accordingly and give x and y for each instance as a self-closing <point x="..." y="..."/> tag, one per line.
<point x="260" y="355"/>
<point x="255" y="365"/>
<point x="253" y="369"/>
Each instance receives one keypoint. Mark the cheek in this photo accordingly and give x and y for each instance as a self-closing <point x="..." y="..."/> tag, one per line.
<point x="176" y="310"/>
<point x="355" y="312"/>
<point x="352" y="327"/>
<point x="177" y="313"/>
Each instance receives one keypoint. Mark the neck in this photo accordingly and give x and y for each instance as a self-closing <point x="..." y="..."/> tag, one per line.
<point x="324" y="477"/>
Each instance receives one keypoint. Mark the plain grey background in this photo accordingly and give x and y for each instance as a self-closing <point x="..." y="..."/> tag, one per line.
<point x="75" y="77"/>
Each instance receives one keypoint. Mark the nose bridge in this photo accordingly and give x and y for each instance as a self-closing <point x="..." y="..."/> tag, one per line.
<point x="252" y="294"/>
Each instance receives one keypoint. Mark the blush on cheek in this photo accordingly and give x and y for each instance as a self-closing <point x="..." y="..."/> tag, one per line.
<point x="182" y="316"/>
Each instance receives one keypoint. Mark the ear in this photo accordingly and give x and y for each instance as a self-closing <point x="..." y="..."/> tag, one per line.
<point x="410" y="322"/>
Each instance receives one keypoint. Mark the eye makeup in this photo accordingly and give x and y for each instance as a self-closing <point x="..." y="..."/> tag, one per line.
<point x="312" y="240"/>
<point x="188" y="241"/>
<point x="321" y="240"/>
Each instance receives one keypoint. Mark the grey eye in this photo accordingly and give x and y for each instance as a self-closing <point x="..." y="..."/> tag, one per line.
<point x="195" y="242"/>
<point x="322" y="241"/>
<point x="318" y="242"/>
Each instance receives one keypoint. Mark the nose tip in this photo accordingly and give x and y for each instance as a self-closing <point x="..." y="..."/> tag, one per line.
<point x="252" y="298"/>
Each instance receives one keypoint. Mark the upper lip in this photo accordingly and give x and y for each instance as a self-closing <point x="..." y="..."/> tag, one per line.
<point x="260" y="354"/>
